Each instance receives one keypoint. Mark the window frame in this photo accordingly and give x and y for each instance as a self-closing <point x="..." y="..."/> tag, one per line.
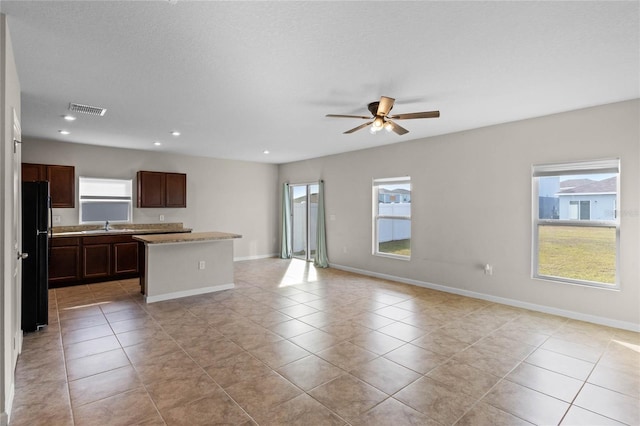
<point x="568" y="169"/>
<point x="376" y="217"/>
<point x="89" y="198"/>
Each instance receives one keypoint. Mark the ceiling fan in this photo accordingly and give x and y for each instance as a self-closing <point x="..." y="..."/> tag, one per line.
<point x="381" y="119"/>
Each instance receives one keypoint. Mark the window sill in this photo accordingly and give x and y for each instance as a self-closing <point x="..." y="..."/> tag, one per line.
<point x="392" y="256"/>
<point x="587" y="284"/>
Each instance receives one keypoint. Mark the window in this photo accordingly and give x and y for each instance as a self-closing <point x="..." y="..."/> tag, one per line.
<point x="575" y="224"/>
<point x="105" y="199"/>
<point x="392" y="217"/>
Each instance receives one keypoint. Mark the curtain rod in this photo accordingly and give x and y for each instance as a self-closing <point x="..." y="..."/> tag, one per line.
<point x="305" y="183"/>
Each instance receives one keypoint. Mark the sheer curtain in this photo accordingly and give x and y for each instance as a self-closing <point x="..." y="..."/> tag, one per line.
<point x="285" y="241"/>
<point x="320" y="259"/>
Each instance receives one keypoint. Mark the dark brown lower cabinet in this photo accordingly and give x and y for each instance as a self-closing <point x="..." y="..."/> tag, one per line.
<point x="96" y="260"/>
<point x="125" y="257"/>
<point x="92" y="259"/>
<point x="64" y="261"/>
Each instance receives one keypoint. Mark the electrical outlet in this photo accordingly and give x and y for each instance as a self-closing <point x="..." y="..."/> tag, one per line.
<point x="201" y="264"/>
<point x="488" y="269"/>
<point x="161" y="218"/>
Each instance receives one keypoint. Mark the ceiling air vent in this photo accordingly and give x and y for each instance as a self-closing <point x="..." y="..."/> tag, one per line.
<point x="86" y="109"/>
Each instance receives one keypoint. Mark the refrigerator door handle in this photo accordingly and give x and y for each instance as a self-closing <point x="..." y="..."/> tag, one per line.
<point x="22" y="256"/>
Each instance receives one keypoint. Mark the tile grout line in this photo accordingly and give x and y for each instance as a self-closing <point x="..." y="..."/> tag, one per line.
<point x="64" y="359"/>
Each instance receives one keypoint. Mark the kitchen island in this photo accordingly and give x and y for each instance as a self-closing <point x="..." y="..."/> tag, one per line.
<point x="180" y="265"/>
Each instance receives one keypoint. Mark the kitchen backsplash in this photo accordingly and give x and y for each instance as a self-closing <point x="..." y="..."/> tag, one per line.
<point x="78" y="228"/>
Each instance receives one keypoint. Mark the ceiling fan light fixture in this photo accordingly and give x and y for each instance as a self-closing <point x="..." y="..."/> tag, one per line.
<point x="380" y="118"/>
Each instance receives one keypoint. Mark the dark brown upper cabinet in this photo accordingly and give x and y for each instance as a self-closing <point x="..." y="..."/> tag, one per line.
<point x="176" y="190"/>
<point x="160" y="189"/>
<point x="62" y="182"/>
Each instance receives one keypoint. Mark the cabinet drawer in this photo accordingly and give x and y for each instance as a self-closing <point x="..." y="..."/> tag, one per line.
<point x="106" y="239"/>
<point x="64" y="241"/>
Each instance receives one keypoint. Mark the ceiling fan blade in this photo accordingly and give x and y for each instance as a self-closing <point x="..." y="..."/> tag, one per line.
<point x="385" y="106"/>
<point x="396" y="128"/>
<point x="426" y="114"/>
<point x="355" y="129"/>
<point x="347" y="116"/>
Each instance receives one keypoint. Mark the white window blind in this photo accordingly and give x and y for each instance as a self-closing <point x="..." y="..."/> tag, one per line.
<point x="104" y="200"/>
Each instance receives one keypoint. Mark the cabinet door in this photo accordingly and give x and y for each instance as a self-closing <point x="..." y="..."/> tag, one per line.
<point x="151" y="189"/>
<point x="64" y="264"/>
<point x="62" y="182"/>
<point x="33" y="172"/>
<point x="176" y="190"/>
<point x="125" y="257"/>
<point x="97" y="261"/>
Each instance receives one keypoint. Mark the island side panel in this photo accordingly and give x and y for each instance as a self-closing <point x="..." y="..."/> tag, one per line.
<point x="172" y="270"/>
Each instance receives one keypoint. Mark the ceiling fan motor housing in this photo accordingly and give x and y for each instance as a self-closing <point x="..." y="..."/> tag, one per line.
<point x="373" y="108"/>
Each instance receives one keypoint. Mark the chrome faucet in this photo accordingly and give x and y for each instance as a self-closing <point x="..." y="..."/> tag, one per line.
<point x="106" y="225"/>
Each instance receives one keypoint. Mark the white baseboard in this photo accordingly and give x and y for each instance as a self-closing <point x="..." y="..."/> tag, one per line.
<point x="5" y="416"/>
<point x="186" y="293"/>
<point x="625" y="325"/>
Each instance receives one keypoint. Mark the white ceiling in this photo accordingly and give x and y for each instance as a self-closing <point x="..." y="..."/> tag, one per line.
<point x="237" y="78"/>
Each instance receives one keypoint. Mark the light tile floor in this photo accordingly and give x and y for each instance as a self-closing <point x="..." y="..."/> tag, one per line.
<point x="295" y="345"/>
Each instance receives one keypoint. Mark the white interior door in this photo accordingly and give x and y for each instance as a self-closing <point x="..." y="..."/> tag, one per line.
<point x="16" y="234"/>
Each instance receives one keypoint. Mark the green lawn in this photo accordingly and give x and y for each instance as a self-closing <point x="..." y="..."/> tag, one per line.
<point x="582" y="253"/>
<point x="399" y="247"/>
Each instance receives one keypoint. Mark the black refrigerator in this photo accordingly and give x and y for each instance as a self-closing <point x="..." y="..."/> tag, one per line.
<point x="36" y="210"/>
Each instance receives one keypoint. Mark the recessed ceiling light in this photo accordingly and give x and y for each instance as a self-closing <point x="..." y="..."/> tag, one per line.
<point x="175" y="133"/>
<point x="64" y="132"/>
<point x="156" y="143"/>
<point x="69" y="117"/>
<point x="266" y="151"/>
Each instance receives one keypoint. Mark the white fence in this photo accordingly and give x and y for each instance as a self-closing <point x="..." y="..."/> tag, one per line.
<point x="299" y="226"/>
<point x="389" y="229"/>
<point x="394" y="229"/>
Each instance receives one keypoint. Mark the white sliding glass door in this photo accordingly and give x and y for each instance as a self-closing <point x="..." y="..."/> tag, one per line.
<point x="304" y="219"/>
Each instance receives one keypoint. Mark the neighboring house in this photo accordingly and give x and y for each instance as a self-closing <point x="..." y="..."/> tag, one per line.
<point x="585" y="199"/>
<point x="397" y="195"/>
<point x="548" y="199"/>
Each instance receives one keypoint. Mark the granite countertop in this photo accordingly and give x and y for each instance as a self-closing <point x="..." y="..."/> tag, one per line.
<point x="186" y="238"/>
<point x="119" y="229"/>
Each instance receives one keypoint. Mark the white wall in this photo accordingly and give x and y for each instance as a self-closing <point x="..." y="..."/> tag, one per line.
<point x="222" y="195"/>
<point x="471" y="205"/>
<point x="9" y="286"/>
